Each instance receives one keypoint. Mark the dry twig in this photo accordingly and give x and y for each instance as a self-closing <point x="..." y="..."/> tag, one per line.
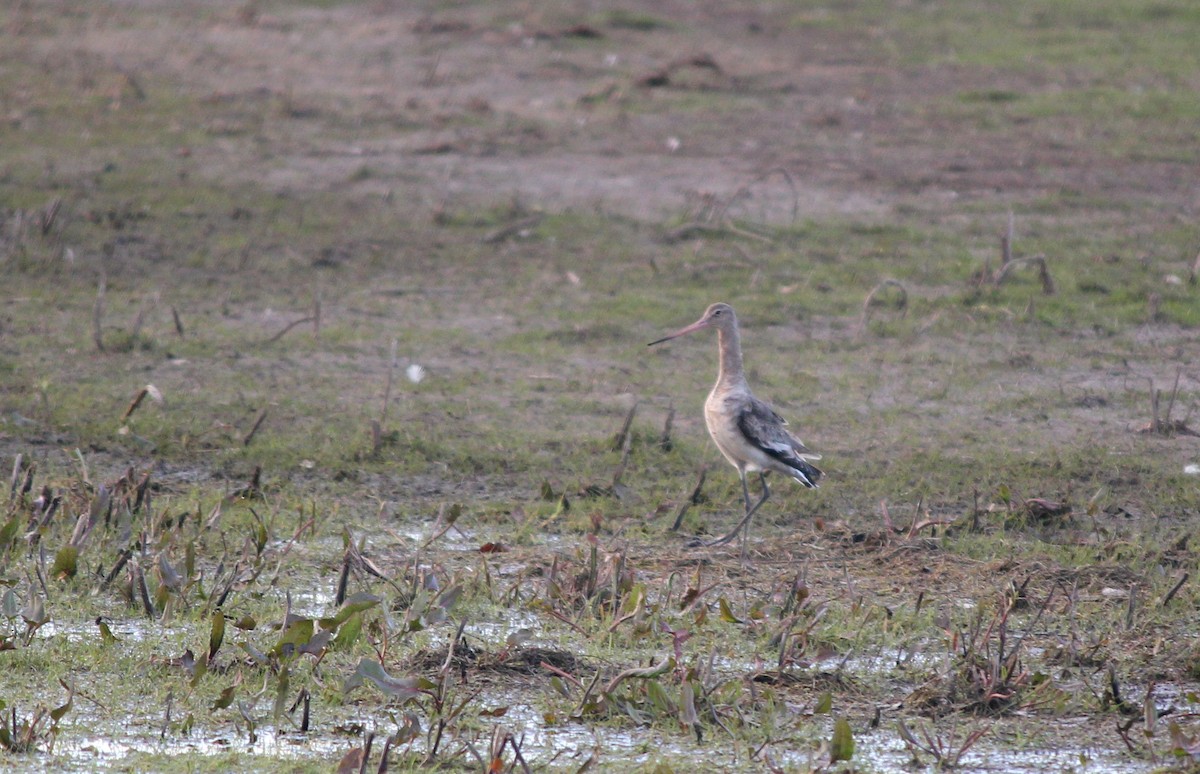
<point x="622" y="437"/>
<point x="1153" y="307"/>
<point x="512" y="229"/>
<point x="139" y="319"/>
<point x="98" y="316"/>
<point x="1015" y="263"/>
<point x="1183" y="578"/>
<point x="48" y="214"/>
<point x="901" y="303"/>
<point x="662" y="77"/>
<point x="1006" y="241"/>
<point x="664" y="441"/>
<point x="1161" y="422"/>
<point x="715" y="218"/>
<point x="258" y="420"/>
<point x="285" y="331"/>
<point x="137" y="401"/>
<point x="644" y="672"/>
<point x="722" y="214"/>
<point x="377" y="426"/>
<point x="692" y="499"/>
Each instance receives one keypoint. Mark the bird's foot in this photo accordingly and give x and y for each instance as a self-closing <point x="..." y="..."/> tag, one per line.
<point x="729" y="538"/>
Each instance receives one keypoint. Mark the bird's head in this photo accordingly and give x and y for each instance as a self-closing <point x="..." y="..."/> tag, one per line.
<point x="718" y="315"/>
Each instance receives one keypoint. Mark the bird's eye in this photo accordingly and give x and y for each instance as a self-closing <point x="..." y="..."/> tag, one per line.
<point x="716" y="313"/>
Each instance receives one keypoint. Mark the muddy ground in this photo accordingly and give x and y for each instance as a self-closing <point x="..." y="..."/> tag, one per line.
<point x="267" y="212"/>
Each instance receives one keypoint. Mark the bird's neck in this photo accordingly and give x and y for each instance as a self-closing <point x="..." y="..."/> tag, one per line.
<point x="731" y="373"/>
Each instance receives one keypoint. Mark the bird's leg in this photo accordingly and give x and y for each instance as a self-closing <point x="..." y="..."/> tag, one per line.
<point x="746" y="529"/>
<point x="750" y="510"/>
<point x="745" y="490"/>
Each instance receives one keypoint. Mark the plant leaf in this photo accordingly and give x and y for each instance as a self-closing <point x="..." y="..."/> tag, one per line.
<point x="66" y="563"/>
<point x="199" y="670"/>
<point x="57" y="713"/>
<point x="348" y="632"/>
<point x="726" y="612"/>
<point x="318" y="643"/>
<point x="281" y="694"/>
<point x="216" y="635"/>
<point x="34" y="611"/>
<point x="169" y="576"/>
<point x="296" y="635"/>
<point x="256" y="655"/>
<point x="659" y="699"/>
<point x="225" y="699"/>
<point x="8" y="533"/>
<point x="841" y="748"/>
<point x="448" y="598"/>
<point x="518" y="638"/>
<point x="106" y="635"/>
<point x="687" y="705"/>
<point x="9" y="606"/>
<point x="403" y="688"/>
<point x="356" y="603"/>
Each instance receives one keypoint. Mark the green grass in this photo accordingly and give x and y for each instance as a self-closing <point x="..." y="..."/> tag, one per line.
<point x="964" y="404"/>
<point x="1099" y="36"/>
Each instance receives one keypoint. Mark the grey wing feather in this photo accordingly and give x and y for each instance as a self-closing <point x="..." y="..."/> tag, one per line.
<point x="767" y="430"/>
<point x="761" y="424"/>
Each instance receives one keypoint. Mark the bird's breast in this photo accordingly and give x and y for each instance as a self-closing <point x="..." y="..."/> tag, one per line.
<point x="721" y="412"/>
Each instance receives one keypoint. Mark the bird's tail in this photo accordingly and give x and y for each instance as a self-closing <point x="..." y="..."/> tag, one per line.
<point x="806" y="474"/>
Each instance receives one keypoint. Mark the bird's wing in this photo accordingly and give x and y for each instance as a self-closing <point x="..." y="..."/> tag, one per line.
<point x="761" y="424"/>
<point x="767" y="430"/>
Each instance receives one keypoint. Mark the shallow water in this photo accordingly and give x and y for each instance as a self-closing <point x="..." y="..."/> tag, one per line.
<point x="883" y="750"/>
<point x="92" y="741"/>
<point x="101" y="752"/>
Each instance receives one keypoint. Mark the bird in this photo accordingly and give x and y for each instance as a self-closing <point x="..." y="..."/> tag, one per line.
<point x="747" y="431"/>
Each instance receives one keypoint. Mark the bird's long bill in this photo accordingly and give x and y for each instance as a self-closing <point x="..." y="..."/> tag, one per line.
<point x="693" y="327"/>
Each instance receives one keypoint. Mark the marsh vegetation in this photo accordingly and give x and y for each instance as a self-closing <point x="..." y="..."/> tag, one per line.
<point x="331" y="439"/>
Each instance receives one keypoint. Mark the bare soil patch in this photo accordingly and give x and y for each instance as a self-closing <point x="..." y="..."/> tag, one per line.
<point x="270" y="211"/>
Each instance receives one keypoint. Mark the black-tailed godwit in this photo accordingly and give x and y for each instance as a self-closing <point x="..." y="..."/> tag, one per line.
<point x="747" y="431"/>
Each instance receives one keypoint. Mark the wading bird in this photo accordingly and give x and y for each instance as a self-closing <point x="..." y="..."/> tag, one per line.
<point x="747" y="431"/>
